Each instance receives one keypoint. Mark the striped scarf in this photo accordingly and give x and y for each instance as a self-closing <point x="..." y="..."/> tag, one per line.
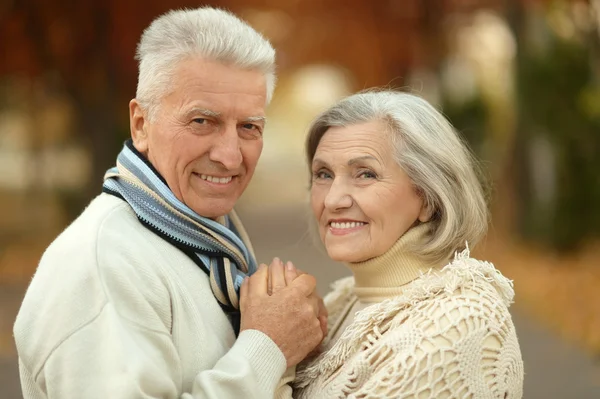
<point x="221" y="248"/>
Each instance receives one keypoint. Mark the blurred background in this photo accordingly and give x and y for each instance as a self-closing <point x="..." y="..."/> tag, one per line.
<point x="519" y="78"/>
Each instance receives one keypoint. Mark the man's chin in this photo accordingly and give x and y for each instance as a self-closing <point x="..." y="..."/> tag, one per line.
<point x="213" y="208"/>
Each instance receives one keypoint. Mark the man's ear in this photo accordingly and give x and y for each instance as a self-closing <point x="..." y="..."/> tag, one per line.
<point x="138" y="124"/>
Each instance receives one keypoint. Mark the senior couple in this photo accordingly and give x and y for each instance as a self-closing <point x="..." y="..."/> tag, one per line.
<point x="154" y="290"/>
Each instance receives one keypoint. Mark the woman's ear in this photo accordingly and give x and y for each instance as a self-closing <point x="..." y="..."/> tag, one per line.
<point x="426" y="213"/>
<point x="138" y="125"/>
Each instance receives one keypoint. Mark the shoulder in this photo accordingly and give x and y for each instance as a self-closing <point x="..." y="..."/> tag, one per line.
<point x="105" y="214"/>
<point x="466" y="288"/>
<point x="105" y="238"/>
<point x="464" y="307"/>
<point x="101" y="258"/>
<point x="463" y="279"/>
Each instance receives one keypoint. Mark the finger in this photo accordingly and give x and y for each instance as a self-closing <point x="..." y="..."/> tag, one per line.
<point x="305" y="283"/>
<point x="314" y="303"/>
<point x="322" y="309"/>
<point x="323" y="315"/>
<point x="243" y="293"/>
<point x="259" y="282"/>
<point x="290" y="273"/>
<point x="269" y="281"/>
<point x="323" y="322"/>
<point x="277" y="275"/>
<point x="315" y="352"/>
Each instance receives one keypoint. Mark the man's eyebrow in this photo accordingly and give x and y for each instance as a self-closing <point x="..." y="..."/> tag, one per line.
<point x="204" y="112"/>
<point x="256" y="119"/>
<point x="214" y="114"/>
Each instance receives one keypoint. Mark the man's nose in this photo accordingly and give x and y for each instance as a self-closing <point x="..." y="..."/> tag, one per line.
<point x="226" y="149"/>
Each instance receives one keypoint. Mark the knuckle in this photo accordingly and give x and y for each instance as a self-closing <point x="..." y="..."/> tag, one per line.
<point x="310" y="310"/>
<point x="316" y="324"/>
<point x="310" y="279"/>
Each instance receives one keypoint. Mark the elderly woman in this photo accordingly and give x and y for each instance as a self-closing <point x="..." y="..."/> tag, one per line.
<point x="397" y="200"/>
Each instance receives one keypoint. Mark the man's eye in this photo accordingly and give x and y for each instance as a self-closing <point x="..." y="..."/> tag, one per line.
<point x="200" y="121"/>
<point x="250" y="126"/>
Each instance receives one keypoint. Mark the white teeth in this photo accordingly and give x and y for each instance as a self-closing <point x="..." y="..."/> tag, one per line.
<point x="346" y="225"/>
<point x="214" y="179"/>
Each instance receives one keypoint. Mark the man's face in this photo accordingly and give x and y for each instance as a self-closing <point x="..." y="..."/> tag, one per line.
<point x="207" y="134"/>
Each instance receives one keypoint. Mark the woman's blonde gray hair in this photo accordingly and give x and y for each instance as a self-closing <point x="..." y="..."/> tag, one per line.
<point x="206" y="32"/>
<point x="433" y="155"/>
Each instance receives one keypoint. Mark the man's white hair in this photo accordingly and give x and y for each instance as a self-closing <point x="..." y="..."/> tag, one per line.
<point x="205" y="32"/>
<point x="432" y="154"/>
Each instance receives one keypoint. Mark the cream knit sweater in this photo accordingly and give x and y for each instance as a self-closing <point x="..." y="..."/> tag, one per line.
<point x="115" y="312"/>
<point x="421" y="331"/>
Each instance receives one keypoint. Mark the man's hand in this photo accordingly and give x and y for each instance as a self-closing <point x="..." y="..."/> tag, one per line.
<point x="289" y="316"/>
<point x="281" y="276"/>
<point x="280" y="273"/>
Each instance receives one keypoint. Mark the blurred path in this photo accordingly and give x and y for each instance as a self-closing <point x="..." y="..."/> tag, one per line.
<point x="554" y="369"/>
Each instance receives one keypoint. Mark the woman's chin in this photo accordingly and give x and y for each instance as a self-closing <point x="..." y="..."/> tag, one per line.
<point x="345" y="256"/>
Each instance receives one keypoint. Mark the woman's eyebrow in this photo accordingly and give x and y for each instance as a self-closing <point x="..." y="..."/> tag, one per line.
<point x="319" y="162"/>
<point x="359" y="159"/>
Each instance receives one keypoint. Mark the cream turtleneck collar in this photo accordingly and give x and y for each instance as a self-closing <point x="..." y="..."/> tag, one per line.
<point x="386" y="275"/>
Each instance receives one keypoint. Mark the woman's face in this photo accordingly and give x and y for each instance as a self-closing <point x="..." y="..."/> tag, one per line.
<point x="362" y="200"/>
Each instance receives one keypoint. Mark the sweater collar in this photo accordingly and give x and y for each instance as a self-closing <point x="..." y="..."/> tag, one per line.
<point x="386" y="275"/>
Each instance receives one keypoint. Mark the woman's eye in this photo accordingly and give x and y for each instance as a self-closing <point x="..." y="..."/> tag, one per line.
<point x="367" y="174"/>
<point x="321" y="175"/>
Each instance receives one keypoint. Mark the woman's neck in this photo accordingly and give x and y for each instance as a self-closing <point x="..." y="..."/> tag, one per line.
<point x="385" y="276"/>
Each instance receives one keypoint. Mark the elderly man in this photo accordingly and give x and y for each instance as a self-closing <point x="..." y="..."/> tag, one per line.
<point x="138" y="297"/>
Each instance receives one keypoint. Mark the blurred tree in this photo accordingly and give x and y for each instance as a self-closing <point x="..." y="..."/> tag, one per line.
<point x="84" y="49"/>
<point x="559" y="97"/>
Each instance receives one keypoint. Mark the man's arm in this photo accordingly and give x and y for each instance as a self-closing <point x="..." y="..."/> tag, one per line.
<point x="113" y="357"/>
<point x="114" y="354"/>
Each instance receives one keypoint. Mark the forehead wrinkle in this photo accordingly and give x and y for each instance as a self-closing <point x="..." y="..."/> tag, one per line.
<point x="358" y="149"/>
